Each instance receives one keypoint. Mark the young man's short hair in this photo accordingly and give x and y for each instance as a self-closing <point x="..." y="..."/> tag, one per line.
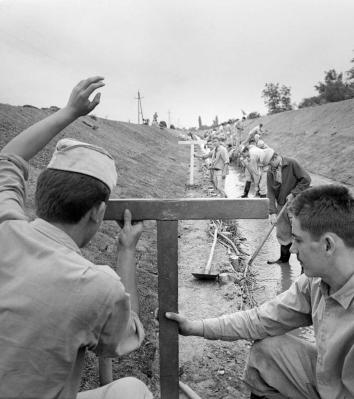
<point x="327" y="208"/>
<point x="65" y="197"/>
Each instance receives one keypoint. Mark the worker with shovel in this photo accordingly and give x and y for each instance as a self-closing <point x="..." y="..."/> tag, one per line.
<point x="282" y="365"/>
<point x="286" y="178"/>
<point x="219" y="164"/>
<point x="261" y="159"/>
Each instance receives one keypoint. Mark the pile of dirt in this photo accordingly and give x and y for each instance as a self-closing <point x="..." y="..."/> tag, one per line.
<point x="321" y="138"/>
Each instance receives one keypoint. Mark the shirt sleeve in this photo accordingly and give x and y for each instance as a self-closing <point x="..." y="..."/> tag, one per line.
<point x="13" y="176"/>
<point x="287" y="311"/>
<point x="270" y="193"/>
<point x="225" y="156"/>
<point x="303" y="179"/>
<point x="122" y="331"/>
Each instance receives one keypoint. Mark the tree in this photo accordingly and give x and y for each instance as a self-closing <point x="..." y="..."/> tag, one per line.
<point x="285" y="98"/>
<point x="350" y="74"/>
<point x="334" y="88"/>
<point x="216" y="121"/>
<point x="277" y="98"/>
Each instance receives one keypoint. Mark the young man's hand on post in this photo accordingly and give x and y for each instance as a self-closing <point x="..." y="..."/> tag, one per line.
<point x="185" y="326"/>
<point x="130" y="233"/>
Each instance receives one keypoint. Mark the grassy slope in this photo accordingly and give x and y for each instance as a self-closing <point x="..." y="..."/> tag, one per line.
<point x="321" y="138"/>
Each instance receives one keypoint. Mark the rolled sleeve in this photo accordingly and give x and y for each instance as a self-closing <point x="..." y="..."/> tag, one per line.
<point x="134" y="336"/>
<point x="284" y="313"/>
<point x="122" y="331"/>
<point x="13" y="176"/>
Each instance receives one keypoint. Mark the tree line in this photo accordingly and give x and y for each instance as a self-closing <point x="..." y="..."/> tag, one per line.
<point x="335" y="87"/>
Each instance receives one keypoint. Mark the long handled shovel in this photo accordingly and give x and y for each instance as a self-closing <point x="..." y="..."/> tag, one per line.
<point x="260" y="246"/>
<point x="206" y="275"/>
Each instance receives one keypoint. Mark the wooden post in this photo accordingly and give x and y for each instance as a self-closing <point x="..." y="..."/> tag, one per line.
<point x="167" y="213"/>
<point x="191" y="168"/>
<point x="167" y="261"/>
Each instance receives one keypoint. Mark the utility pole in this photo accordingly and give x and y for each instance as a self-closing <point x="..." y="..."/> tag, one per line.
<point x="140" y="109"/>
<point x="169" y="118"/>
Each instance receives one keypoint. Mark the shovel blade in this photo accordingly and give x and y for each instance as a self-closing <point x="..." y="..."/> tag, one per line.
<point x="204" y="276"/>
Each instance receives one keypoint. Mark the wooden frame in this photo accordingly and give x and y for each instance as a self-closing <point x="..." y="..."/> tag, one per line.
<point x="167" y="213"/>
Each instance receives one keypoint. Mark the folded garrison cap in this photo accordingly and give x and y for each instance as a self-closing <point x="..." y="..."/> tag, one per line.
<point x="75" y="156"/>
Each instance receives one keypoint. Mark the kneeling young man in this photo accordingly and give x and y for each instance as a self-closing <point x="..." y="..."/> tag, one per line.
<point x="280" y="364"/>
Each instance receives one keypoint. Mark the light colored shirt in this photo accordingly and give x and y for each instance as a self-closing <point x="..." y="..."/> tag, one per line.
<point x="220" y="158"/>
<point x="307" y="302"/>
<point x="255" y="130"/>
<point x="53" y="302"/>
<point x="254" y="163"/>
<point x="266" y="156"/>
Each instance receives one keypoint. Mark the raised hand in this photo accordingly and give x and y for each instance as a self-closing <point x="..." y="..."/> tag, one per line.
<point x="79" y="103"/>
<point x="29" y="142"/>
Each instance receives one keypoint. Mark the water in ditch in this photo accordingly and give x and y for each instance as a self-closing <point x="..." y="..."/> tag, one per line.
<point x="270" y="279"/>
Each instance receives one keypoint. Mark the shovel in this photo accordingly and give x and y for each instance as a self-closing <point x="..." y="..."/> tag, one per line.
<point x="206" y="275"/>
<point x="260" y="246"/>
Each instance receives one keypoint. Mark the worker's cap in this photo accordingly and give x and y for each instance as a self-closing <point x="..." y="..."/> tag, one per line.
<point x="75" y="156"/>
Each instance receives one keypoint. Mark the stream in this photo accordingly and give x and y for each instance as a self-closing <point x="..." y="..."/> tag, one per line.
<point x="274" y="278"/>
<point x="271" y="279"/>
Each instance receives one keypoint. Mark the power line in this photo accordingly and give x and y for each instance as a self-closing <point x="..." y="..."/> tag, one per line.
<point x="140" y="109"/>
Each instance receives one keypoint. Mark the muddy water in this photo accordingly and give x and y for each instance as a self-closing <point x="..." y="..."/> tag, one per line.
<point x="271" y="279"/>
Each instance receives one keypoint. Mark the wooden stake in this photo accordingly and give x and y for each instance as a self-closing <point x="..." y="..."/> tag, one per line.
<point x="191" y="162"/>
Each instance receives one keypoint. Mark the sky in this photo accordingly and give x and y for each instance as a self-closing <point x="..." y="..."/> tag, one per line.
<point x="187" y="58"/>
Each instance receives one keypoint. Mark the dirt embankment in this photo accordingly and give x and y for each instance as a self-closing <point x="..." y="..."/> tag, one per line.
<point x="321" y="138"/>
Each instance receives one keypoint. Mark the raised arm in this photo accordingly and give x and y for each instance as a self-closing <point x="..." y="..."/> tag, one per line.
<point x="128" y="239"/>
<point x="29" y="142"/>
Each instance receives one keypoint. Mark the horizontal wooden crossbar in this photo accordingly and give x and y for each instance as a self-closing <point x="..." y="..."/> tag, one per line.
<point x="188" y="208"/>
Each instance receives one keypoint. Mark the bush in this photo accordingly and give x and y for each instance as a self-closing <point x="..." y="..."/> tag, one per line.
<point x="253" y="115"/>
<point x="162" y="124"/>
<point x="311" y="102"/>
